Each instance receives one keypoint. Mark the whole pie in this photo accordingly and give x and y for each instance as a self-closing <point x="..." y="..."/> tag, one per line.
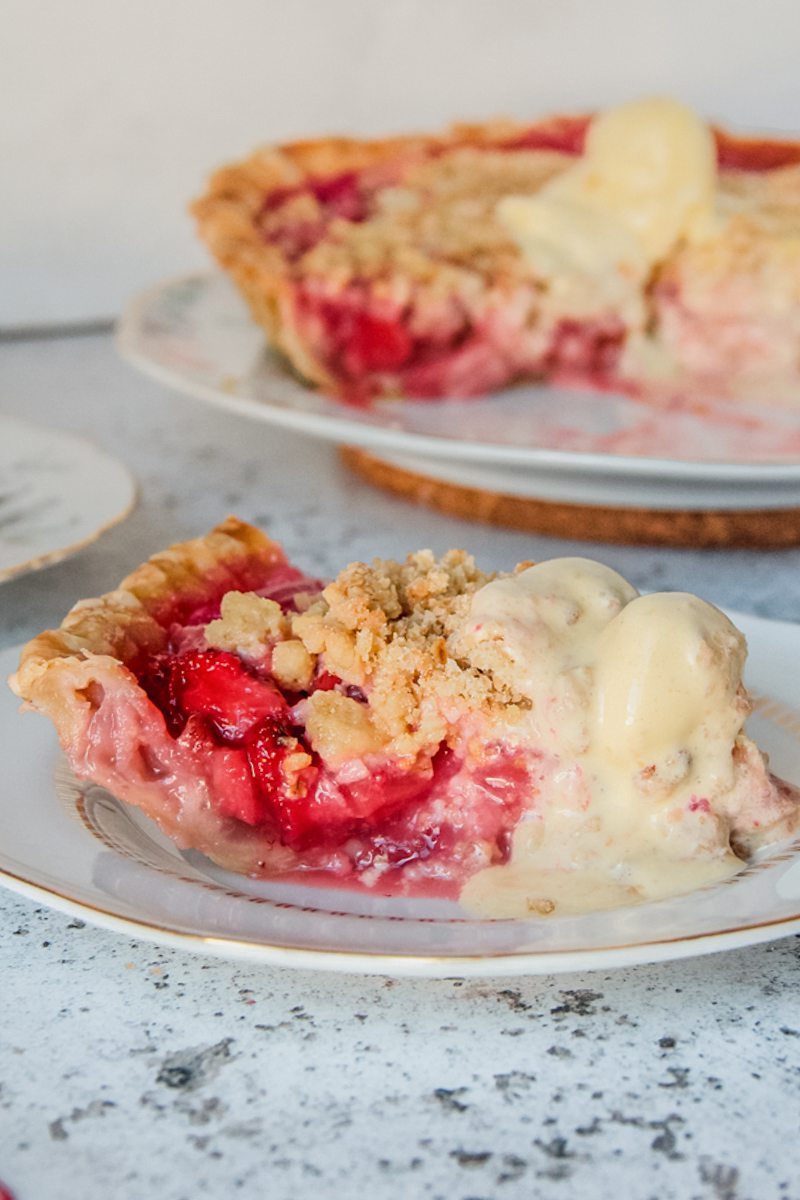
<point x="638" y="249"/>
<point x="541" y="741"/>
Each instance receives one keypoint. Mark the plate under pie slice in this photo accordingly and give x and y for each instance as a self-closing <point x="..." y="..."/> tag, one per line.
<point x="639" y="249"/>
<point x="541" y="741"/>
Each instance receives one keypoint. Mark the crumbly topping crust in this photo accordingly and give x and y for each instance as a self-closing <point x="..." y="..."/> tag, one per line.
<point x="759" y="234"/>
<point x="391" y="630"/>
<point x="436" y="223"/>
<point x="247" y="624"/>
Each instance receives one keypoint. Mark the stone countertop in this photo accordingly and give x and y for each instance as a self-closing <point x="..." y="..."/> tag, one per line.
<point x="128" y="1070"/>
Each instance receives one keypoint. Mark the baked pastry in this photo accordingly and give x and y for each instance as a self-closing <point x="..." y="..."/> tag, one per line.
<point x="639" y="249"/>
<point x="541" y="741"/>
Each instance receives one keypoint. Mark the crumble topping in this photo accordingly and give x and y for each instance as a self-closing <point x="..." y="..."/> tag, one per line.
<point x="391" y="630"/>
<point x="292" y="665"/>
<point x="340" y="728"/>
<point x="436" y="225"/>
<point x="246" y="625"/>
<point x="295" y="763"/>
<point x="386" y="627"/>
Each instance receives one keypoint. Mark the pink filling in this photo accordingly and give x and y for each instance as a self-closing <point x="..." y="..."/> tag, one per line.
<point x="216" y="734"/>
<point x="368" y="348"/>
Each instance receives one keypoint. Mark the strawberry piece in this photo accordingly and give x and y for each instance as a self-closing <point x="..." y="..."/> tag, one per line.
<point x="317" y="817"/>
<point x="283" y="786"/>
<point x="219" y="686"/>
<point x="236" y="789"/>
<point x="326" y="682"/>
<point x="341" y="196"/>
<point x="156" y="678"/>
<point x="385" y="790"/>
<point x="213" y="684"/>
<point x="309" y="805"/>
<point x="227" y="768"/>
<point x="375" y="344"/>
<point x="321" y="814"/>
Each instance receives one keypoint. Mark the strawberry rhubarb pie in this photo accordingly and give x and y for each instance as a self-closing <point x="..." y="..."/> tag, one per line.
<point x="535" y="742"/>
<point x="638" y="249"/>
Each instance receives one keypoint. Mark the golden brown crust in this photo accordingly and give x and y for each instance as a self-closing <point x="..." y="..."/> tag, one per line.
<point x="98" y="637"/>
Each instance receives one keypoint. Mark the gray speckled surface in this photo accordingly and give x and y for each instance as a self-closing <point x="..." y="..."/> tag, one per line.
<point x="131" y="1071"/>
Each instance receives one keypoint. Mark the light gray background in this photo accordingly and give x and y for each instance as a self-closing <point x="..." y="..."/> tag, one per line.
<point x="113" y="113"/>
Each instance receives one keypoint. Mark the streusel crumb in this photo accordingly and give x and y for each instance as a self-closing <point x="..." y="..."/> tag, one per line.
<point x="247" y="624"/>
<point x="292" y="665"/>
<point x="437" y="226"/>
<point x="390" y="629"/>
<point x="339" y="727"/>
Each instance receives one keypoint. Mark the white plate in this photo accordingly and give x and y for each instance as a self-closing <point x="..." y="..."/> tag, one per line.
<point x="195" y="334"/>
<point x="57" y="494"/>
<point x="75" y="848"/>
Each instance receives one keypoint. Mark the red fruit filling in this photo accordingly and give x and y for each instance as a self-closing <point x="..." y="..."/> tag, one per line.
<point x="216" y="685"/>
<point x="361" y="348"/>
<point x="265" y="769"/>
<point x="240" y="738"/>
<point x="234" y="720"/>
<point x="754" y="154"/>
<point x="565" y="134"/>
<point x="286" y="797"/>
<point x="356" y="340"/>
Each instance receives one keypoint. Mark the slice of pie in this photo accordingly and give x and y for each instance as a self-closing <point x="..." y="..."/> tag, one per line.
<point x="639" y="249"/>
<point x="545" y="740"/>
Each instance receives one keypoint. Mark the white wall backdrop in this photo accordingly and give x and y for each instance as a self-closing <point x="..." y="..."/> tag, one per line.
<point x="113" y="111"/>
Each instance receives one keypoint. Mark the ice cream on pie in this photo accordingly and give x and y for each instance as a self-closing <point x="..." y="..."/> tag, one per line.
<point x="537" y="742"/>
<point x="638" y="248"/>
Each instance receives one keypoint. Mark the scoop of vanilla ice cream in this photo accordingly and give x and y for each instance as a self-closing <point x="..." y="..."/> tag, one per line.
<point x="646" y="180"/>
<point x="637" y="705"/>
<point x="667" y="686"/>
<point x="653" y="163"/>
<point x="538" y="630"/>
